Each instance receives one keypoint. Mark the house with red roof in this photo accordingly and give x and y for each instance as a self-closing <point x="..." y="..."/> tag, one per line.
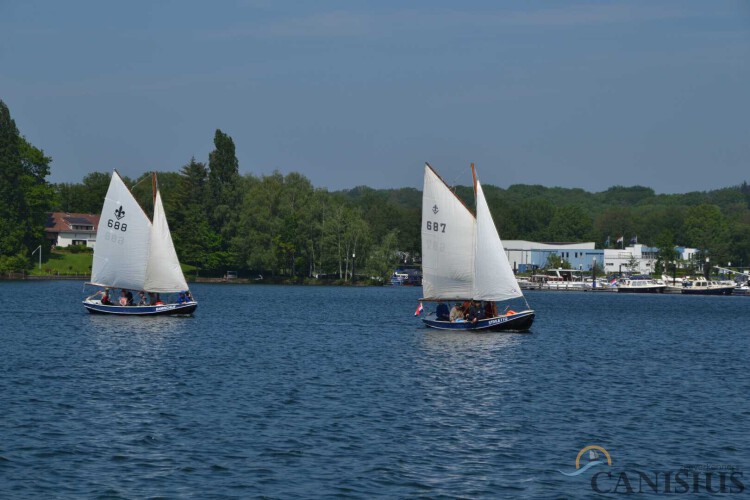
<point x="64" y="229"/>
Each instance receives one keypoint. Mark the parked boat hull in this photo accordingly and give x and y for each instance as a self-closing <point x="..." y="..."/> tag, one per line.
<point x="518" y="322"/>
<point x="708" y="291"/>
<point x="94" y="307"/>
<point x="655" y="289"/>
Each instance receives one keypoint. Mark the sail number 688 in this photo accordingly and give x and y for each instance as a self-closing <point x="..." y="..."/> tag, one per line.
<point x="117" y="226"/>
<point x="436" y="226"/>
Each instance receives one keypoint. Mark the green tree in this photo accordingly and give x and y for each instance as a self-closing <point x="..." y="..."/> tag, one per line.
<point x="13" y="207"/>
<point x="570" y="223"/>
<point x="667" y="254"/>
<point x="25" y="195"/>
<point x="196" y="242"/>
<point x="225" y="187"/>
<point x="554" y="261"/>
<point x="707" y="230"/>
<point x="384" y="257"/>
<point x="38" y="193"/>
<point x="533" y="218"/>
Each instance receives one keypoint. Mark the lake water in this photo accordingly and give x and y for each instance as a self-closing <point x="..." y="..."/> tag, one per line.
<point x="285" y="392"/>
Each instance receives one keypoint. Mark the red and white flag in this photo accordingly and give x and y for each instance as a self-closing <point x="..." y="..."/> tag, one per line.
<point x="419" y="310"/>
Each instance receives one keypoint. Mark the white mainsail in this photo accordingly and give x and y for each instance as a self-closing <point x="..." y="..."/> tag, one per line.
<point x="122" y="240"/>
<point x="163" y="273"/>
<point x="493" y="277"/>
<point x="447" y="242"/>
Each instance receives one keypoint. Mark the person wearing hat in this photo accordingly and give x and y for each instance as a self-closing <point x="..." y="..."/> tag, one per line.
<point x="456" y="313"/>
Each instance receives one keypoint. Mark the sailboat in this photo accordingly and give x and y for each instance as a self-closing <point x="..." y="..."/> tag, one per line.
<point x="463" y="260"/>
<point x="137" y="254"/>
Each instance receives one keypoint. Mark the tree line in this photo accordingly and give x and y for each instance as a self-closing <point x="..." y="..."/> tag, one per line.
<point x="282" y="226"/>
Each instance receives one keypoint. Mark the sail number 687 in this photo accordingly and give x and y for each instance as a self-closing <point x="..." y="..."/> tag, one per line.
<point x="436" y="226"/>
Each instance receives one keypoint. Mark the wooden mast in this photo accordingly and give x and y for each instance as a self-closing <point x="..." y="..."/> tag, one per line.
<point x="153" y="185"/>
<point x="474" y="175"/>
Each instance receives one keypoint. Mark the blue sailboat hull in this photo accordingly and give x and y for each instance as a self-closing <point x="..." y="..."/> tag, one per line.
<point x="155" y="310"/>
<point x="518" y="322"/>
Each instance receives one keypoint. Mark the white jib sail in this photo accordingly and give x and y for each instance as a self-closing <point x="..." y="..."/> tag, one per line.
<point x="447" y="242"/>
<point x="163" y="274"/>
<point x="494" y="279"/>
<point x="122" y="240"/>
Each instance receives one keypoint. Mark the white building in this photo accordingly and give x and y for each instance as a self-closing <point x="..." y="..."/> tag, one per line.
<point x="618" y="260"/>
<point x="530" y="255"/>
<point x="65" y="229"/>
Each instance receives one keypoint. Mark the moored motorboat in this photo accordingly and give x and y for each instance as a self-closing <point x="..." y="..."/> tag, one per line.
<point x="639" y="284"/>
<point x="702" y="286"/>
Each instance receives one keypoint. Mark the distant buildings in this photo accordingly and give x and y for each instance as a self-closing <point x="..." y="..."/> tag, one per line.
<point x="528" y="256"/>
<point x="637" y="258"/>
<point x="65" y="229"/>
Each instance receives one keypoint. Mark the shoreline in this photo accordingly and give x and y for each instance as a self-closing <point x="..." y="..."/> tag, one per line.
<point x="232" y="281"/>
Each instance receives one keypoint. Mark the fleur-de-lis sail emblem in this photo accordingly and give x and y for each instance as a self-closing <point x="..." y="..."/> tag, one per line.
<point x="119" y="213"/>
<point x="435" y="209"/>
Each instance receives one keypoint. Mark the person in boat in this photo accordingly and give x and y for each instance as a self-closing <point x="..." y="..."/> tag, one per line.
<point x="105" y="297"/>
<point x="442" y="312"/>
<point x="142" y="298"/>
<point x="465" y="308"/>
<point x="158" y="300"/>
<point x="129" y="296"/>
<point x="181" y="298"/>
<point x="188" y="297"/>
<point x="456" y="313"/>
<point x="475" y="313"/>
<point x="489" y="310"/>
<point x="123" y="298"/>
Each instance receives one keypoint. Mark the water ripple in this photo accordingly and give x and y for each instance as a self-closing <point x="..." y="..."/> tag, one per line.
<point x="338" y="392"/>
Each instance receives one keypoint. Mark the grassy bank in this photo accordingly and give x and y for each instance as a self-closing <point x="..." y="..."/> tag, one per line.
<point x="65" y="263"/>
<point x="62" y="262"/>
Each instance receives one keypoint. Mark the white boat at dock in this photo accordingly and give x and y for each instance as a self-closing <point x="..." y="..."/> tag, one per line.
<point x="640" y="284"/>
<point x="702" y="286"/>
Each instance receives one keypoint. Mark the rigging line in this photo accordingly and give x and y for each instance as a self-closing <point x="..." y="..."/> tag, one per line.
<point x="145" y="176"/>
<point x="454" y="181"/>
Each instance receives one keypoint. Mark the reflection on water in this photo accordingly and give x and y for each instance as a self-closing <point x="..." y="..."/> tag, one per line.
<point x="448" y="342"/>
<point x="138" y="334"/>
<point x="115" y="326"/>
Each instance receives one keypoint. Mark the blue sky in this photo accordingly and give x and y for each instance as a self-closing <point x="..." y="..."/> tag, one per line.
<point x="573" y="94"/>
